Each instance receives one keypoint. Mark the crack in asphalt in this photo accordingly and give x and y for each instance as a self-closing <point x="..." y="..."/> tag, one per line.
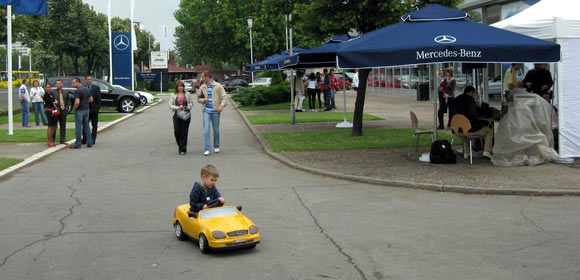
<point x="531" y="221"/>
<point x="535" y="245"/>
<point x="61" y="221"/>
<point x="340" y="250"/>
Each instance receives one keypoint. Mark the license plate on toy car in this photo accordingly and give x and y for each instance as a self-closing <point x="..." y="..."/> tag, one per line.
<point x="240" y="241"/>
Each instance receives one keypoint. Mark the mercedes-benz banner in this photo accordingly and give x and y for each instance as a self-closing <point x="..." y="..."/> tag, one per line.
<point x="122" y="59"/>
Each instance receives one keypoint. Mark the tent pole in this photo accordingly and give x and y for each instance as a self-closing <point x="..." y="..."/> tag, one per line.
<point x="345" y="123"/>
<point x="434" y="96"/>
<point x="9" y="67"/>
<point x="293" y="79"/>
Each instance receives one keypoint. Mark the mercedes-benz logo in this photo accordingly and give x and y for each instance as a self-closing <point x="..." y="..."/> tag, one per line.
<point x="445" y="39"/>
<point x="121" y="42"/>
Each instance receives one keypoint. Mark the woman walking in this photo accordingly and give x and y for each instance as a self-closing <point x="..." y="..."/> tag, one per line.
<point x="311" y="92"/>
<point x="181" y="103"/>
<point x="51" y="105"/>
<point x="446" y="95"/>
<point x="36" y="97"/>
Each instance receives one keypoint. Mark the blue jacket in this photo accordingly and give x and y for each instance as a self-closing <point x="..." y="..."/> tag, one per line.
<point x="197" y="198"/>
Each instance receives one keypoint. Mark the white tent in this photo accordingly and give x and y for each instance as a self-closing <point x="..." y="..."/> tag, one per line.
<point x="558" y="21"/>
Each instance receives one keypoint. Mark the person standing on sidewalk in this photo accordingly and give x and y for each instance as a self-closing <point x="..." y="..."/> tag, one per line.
<point x="319" y="88"/>
<point x="355" y="80"/>
<point x="181" y="103"/>
<point x="213" y="98"/>
<point x="81" y="108"/>
<point x="333" y="88"/>
<point x="51" y="106"/>
<point x="62" y="103"/>
<point x="94" y="107"/>
<point x="24" y="102"/>
<point x="311" y="92"/>
<point x="327" y="84"/>
<point x="446" y="95"/>
<point x="36" y="97"/>
<point x="299" y="92"/>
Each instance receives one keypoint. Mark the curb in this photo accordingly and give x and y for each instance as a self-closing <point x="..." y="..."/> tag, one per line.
<point x="40" y="155"/>
<point x="398" y="183"/>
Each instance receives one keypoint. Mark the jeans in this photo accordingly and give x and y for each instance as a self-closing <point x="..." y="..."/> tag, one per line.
<point x="38" y="108"/>
<point x="214" y="118"/>
<point x="327" y="99"/>
<point x="25" y="112"/>
<point x="332" y="102"/>
<point x="82" y="121"/>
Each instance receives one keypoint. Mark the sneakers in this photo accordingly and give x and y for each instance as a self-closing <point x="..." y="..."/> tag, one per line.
<point x="206" y="153"/>
<point x="487" y="155"/>
<point x="216" y="150"/>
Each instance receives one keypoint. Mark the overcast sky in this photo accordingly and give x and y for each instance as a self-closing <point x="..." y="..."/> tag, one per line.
<point x="150" y="12"/>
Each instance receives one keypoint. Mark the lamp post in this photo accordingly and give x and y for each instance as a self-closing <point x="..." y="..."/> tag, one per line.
<point x="250" y="23"/>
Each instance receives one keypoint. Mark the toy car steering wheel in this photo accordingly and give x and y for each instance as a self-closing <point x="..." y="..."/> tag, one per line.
<point x="214" y="203"/>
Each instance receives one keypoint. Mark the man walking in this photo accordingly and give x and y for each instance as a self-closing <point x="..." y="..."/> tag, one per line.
<point x="94" y="107"/>
<point x="81" y="108"/>
<point x="63" y="102"/>
<point x="213" y="98"/>
<point x="24" y="102"/>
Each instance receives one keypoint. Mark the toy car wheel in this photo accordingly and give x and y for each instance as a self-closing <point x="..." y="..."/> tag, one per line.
<point x="203" y="246"/>
<point x="178" y="231"/>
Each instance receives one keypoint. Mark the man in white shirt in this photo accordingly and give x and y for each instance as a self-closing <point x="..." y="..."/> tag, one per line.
<point x="355" y="80"/>
<point x="25" y="102"/>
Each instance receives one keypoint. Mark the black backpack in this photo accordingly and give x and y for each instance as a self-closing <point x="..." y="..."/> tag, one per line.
<point x="441" y="152"/>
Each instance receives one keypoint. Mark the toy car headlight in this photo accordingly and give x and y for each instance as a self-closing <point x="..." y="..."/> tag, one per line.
<point x="218" y="234"/>
<point x="253" y="229"/>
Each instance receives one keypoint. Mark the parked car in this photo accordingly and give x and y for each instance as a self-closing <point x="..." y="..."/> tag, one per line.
<point x="261" y="81"/>
<point x="341" y="81"/>
<point x="146" y="98"/>
<point x="125" y="101"/>
<point x="231" y="85"/>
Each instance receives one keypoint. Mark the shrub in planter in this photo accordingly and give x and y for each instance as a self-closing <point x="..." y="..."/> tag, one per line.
<point x="263" y="95"/>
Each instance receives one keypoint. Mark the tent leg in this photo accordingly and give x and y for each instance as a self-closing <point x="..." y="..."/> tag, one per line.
<point x="345" y="123"/>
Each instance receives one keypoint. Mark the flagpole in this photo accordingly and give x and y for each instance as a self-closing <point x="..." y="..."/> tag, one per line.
<point x="110" y="45"/>
<point x="9" y="67"/>
<point x="132" y="46"/>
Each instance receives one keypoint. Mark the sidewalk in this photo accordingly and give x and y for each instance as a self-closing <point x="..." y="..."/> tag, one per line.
<point x="390" y="166"/>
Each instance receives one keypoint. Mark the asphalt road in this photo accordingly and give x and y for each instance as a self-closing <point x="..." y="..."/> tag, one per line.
<point x="105" y="213"/>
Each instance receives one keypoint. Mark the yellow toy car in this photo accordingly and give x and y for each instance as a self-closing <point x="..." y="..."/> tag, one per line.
<point x="215" y="228"/>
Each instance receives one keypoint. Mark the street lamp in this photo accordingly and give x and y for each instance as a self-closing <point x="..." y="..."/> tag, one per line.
<point x="250" y="23"/>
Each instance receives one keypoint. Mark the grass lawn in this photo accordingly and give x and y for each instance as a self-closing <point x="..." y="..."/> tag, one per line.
<point x="102" y="117"/>
<point x="277" y="106"/>
<point x="31" y="135"/>
<point x="7" y="162"/>
<point x="341" y="139"/>
<point x="69" y="118"/>
<point x="306" y="117"/>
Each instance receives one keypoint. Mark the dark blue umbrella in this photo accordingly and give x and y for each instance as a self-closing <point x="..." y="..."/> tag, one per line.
<point x="272" y="62"/>
<point x="321" y="56"/>
<point x="437" y="34"/>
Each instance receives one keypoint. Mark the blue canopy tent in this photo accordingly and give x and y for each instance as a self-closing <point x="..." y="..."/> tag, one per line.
<point x="321" y="56"/>
<point x="437" y="34"/>
<point x="260" y="65"/>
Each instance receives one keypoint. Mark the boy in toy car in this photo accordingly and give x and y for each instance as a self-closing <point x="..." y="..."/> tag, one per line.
<point x="202" y="194"/>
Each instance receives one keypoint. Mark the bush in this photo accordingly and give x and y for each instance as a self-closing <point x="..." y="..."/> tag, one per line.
<point x="278" y="77"/>
<point x="263" y="95"/>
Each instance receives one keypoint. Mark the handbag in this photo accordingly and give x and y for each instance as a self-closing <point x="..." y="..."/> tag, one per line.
<point x="183" y="114"/>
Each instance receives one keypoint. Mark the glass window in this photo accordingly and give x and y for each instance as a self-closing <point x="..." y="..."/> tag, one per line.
<point x="218" y="212"/>
<point x="103" y="86"/>
<point x="493" y="14"/>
